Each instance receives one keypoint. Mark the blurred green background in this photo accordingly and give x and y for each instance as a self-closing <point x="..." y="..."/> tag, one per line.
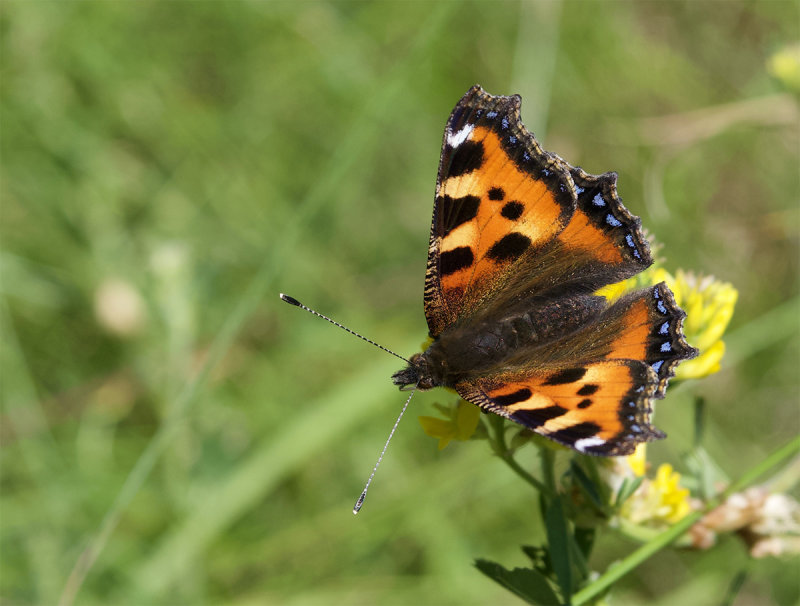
<point x="174" y="434"/>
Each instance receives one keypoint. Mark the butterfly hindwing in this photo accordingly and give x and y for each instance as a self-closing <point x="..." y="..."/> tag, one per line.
<point x="592" y="389"/>
<point x="596" y="408"/>
<point x="648" y="327"/>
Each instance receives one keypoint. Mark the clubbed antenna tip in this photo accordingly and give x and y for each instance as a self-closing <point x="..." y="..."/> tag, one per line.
<point x="291" y="300"/>
<point x="359" y="503"/>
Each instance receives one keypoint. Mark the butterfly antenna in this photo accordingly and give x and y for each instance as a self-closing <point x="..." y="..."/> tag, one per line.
<point x="360" y="501"/>
<point x="296" y="303"/>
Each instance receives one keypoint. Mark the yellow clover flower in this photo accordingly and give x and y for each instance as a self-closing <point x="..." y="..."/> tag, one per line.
<point x="674" y="500"/>
<point x="461" y="425"/>
<point x="659" y="501"/>
<point x="709" y="305"/>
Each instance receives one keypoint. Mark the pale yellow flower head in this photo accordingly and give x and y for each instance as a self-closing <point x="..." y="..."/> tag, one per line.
<point x="659" y="501"/>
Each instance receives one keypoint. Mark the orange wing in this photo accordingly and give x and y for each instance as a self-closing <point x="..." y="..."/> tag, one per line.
<point x="510" y="218"/>
<point x="593" y="389"/>
<point x="598" y="408"/>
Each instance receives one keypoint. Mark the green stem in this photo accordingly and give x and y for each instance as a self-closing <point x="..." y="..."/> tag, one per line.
<point x="505" y="454"/>
<point x="548" y="458"/>
<point x="509" y="459"/>
<point x="623" y="567"/>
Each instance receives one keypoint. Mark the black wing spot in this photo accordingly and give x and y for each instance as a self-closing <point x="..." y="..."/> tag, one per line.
<point x="513" y="398"/>
<point x="585" y="403"/>
<point x="588" y="389"/>
<point x="538" y="416"/>
<point x="454" y="260"/>
<point x="568" y="375"/>
<point x="467" y="157"/>
<point x="570" y="435"/>
<point x="509" y="247"/>
<point x="512" y="210"/>
<point x="456" y="211"/>
<point x="496" y="193"/>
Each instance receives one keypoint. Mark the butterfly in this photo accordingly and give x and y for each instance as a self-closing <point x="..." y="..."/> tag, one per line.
<point x="520" y="243"/>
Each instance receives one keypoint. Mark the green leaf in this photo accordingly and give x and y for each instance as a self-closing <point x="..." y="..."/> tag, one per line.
<point x="583" y="543"/>
<point x="525" y="583"/>
<point x="626" y="489"/>
<point x="540" y="559"/>
<point x="558" y="538"/>
<point x="534" y="553"/>
<point x="592" y="469"/>
<point x="584" y="537"/>
<point x="587" y="486"/>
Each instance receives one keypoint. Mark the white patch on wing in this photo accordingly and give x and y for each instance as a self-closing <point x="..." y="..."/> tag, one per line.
<point x="456" y="139"/>
<point x="584" y="443"/>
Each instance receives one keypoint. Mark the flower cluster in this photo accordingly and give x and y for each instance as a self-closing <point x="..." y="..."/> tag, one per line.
<point x="768" y="522"/>
<point x="659" y="501"/>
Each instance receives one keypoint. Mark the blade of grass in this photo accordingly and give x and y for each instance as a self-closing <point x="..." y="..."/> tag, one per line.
<point x="26" y="420"/>
<point x="538" y="36"/>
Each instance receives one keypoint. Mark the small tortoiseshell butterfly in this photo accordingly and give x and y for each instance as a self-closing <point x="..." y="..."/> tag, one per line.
<point x="520" y="243"/>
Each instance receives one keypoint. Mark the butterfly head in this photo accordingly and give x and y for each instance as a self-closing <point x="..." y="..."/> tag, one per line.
<point x="418" y="372"/>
